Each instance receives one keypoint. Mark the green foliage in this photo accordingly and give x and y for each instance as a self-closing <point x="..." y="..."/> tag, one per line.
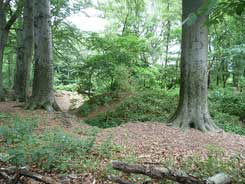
<point x="214" y="164"/>
<point x="229" y="103"/>
<point x="141" y="106"/>
<point x="61" y="151"/>
<point x="54" y="150"/>
<point x="67" y="54"/>
<point x="97" y="102"/>
<point x="107" y="148"/>
<point x="17" y="130"/>
<point x="232" y="8"/>
<point x="69" y="87"/>
<point x="114" y="64"/>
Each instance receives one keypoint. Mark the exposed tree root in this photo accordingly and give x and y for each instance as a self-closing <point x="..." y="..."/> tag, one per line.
<point x="12" y="175"/>
<point x="200" y="121"/>
<point x="166" y="173"/>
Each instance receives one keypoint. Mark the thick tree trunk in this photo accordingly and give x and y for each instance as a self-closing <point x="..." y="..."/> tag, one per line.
<point x="192" y="111"/>
<point x="42" y="92"/>
<point x="24" y="53"/>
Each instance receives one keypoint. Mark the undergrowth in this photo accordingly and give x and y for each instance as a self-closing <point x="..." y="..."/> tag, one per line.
<point x="58" y="151"/>
<point x="197" y="165"/>
<point x="51" y="150"/>
<point x="227" y="110"/>
<point x="214" y="163"/>
<point x="142" y="106"/>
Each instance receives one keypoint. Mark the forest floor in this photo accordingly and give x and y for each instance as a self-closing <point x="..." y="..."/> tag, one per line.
<point x="150" y="142"/>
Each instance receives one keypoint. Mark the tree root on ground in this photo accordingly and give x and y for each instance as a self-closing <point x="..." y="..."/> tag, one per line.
<point x="165" y="173"/>
<point x="12" y="175"/>
<point x="202" y="122"/>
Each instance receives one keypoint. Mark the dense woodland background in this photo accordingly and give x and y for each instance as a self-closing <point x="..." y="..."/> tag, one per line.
<point x="138" y="53"/>
<point x="135" y="70"/>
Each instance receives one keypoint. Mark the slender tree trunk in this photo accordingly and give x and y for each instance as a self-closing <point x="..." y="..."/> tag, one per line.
<point x="42" y="92"/>
<point x="2" y="45"/>
<point x="3" y="40"/>
<point x="4" y="31"/>
<point x="167" y="37"/>
<point x="235" y="81"/>
<point x="192" y="111"/>
<point x="10" y="70"/>
<point x="24" y="54"/>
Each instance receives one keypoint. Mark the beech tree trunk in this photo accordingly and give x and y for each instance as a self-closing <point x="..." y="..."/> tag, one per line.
<point x="24" y="53"/>
<point x="168" y="36"/>
<point x="192" y="111"/>
<point x="5" y="26"/>
<point x="3" y="37"/>
<point x="42" y="90"/>
<point x="3" y="40"/>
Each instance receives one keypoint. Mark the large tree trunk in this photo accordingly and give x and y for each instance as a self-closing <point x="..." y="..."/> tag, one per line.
<point x="192" y="111"/>
<point x="42" y="92"/>
<point x="24" y="53"/>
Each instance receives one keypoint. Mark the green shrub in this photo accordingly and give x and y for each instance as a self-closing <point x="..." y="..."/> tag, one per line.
<point x="142" y="106"/>
<point x="228" y="123"/>
<point x="229" y="103"/>
<point x="213" y="164"/>
<point x="98" y="101"/>
<point x="17" y="129"/>
<point x="107" y="148"/>
<point x="52" y="150"/>
<point x="61" y="151"/>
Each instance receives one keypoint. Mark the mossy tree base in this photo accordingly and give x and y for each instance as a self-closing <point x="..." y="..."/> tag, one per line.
<point x="48" y="105"/>
<point x="200" y="121"/>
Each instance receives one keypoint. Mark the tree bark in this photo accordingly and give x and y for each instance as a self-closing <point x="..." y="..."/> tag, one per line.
<point x="167" y="36"/>
<point x="10" y="70"/>
<point x="42" y="89"/>
<point x="24" y="53"/>
<point x="3" y="40"/>
<point x="4" y="31"/>
<point x="192" y="111"/>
